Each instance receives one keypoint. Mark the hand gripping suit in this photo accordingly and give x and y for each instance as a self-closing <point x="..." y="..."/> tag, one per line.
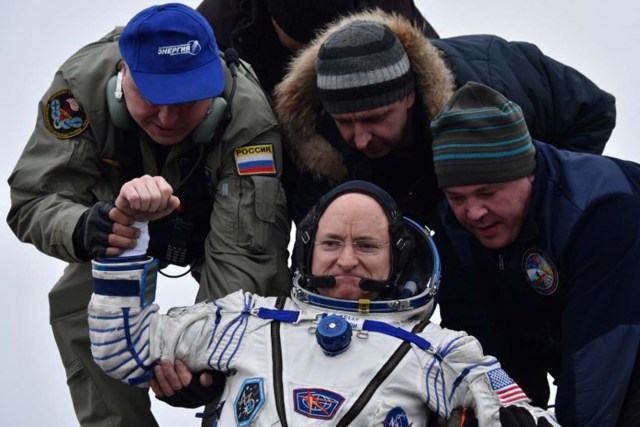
<point x="289" y="361"/>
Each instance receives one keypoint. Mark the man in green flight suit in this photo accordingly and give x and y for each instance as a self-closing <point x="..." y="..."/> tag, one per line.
<point x="152" y="106"/>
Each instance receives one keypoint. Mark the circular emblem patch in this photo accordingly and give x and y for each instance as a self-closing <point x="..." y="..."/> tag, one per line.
<point x="540" y="272"/>
<point x="396" y="417"/>
<point x="63" y="115"/>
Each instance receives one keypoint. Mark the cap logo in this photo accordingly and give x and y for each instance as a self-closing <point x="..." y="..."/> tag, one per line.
<point x="191" y="48"/>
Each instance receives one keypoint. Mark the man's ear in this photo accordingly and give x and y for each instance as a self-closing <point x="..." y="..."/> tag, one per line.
<point x="410" y="99"/>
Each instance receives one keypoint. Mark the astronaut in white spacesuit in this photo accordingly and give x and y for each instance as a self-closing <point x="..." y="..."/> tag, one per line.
<point x="352" y="346"/>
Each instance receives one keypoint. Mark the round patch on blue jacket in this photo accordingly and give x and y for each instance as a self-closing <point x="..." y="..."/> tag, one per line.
<point x="540" y="272"/>
<point x="64" y="116"/>
<point x="396" y="417"/>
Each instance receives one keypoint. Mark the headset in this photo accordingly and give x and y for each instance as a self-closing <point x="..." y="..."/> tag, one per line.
<point x="202" y="134"/>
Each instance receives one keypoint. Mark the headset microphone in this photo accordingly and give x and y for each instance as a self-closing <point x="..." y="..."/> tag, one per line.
<point x="232" y="59"/>
<point x="321" y="281"/>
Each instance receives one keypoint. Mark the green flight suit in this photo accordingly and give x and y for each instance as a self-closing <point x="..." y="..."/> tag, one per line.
<point x="71" y="162"/>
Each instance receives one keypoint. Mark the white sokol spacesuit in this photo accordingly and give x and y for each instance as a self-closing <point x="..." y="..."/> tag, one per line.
<point x="307" y="360"/>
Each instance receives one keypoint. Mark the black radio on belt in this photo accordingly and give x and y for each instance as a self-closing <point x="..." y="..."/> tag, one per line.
<point x="180" y="235"/>
<point x="175" y="239"/>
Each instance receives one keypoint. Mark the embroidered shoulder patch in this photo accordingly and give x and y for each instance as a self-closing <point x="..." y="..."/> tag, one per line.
<point x="249" y="400"/>
<point x="255" y="160"/>
<point x="316" y="402"/>
<point x="396" y="417"/>
<point x="504" y="387"/>
<point x="63" y="115"/>
<point x="540" y="272"/>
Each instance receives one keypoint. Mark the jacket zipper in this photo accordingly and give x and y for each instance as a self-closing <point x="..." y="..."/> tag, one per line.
<point x="500" y="262"/>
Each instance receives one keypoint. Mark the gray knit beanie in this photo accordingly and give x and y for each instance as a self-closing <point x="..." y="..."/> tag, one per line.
<point x="362" y="66"/>
<point x="480" y="137"/>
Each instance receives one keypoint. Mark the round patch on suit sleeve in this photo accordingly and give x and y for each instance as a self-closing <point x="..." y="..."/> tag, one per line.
<point x="63" y="115"/>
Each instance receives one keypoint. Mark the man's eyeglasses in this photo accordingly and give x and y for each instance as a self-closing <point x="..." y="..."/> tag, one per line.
<point x="365" y="247"/>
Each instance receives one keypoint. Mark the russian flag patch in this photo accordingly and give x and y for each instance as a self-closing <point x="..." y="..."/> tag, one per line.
<point x="255" y="160"/>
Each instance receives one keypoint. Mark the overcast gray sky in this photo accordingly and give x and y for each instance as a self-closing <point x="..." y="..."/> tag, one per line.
<point x="598" y="38"/>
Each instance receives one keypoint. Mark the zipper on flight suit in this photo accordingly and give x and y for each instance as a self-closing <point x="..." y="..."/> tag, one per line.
<point x="276" y="357"/>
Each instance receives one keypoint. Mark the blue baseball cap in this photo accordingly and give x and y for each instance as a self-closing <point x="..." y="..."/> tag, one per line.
<point x="172" y="55"/>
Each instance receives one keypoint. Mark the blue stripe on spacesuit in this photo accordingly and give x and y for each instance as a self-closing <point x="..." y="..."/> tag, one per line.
<point x="124" y="362"/>
<point x="109" y="356"/>
<point x="448" y="348"/>
<point x="466" y="372"/>
<point x="435" y="385"/>
<point x="244" y="324"/>
<point x="140" y="378"/>
<point x="119" y="328"/>
<point x="238" y="322"/>
<point x="216" y="323"/>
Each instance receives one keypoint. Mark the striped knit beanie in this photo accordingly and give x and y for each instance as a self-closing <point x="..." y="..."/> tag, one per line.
<point x="480" y="137"/>
<point x="362" y="66"/>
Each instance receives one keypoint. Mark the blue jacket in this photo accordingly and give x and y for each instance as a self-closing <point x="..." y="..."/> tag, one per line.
<point x="563" y="297"/>
<point x="561" y="106"/>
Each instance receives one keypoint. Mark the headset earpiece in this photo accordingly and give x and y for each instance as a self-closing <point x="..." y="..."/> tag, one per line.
<point x="115" y="102"/>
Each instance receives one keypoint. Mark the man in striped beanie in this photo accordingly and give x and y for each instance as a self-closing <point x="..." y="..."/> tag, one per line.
<point x="539" y="250"/>
<point x="480" y="141"/>
<point x="363" y="75"/>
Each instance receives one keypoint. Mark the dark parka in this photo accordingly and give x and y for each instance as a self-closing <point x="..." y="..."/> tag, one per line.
<point x="561" y="107"/>
<point x="245" y="25"/>
<point x="563" y="297"/>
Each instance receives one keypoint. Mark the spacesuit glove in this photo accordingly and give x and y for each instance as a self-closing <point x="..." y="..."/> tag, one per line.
<point x="522" y="414"/>
<point x="90" y="237"/>
<point x="195" y="395"/>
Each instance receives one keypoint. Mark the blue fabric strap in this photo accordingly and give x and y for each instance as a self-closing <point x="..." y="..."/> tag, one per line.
<point x="116" y="288"/>
<point x="289" y="316"/>
<point x="384" y="328"/>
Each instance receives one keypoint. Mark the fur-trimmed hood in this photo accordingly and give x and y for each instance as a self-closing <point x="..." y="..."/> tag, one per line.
<point x="298" y="103"/>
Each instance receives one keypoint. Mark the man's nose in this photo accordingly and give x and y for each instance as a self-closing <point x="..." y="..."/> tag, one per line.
<point x="168" y="115"/>
<point x="361" y="137"/>
<point x="475" y="210"/>
<point x="347" y="258"/>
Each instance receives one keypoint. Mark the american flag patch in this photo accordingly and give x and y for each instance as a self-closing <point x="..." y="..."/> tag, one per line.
<point x="255" y="159"/>
<point x="506" y="389"/>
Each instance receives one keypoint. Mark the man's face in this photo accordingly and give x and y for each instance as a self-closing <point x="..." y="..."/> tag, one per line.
<point x="352" y="218"/>
<point x="165" y="124"/>
<point x="379" y="131"/>
<point x="493" y="213"/>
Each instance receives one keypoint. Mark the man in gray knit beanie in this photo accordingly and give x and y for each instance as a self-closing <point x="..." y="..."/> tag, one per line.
<point x="366" y="84"/>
